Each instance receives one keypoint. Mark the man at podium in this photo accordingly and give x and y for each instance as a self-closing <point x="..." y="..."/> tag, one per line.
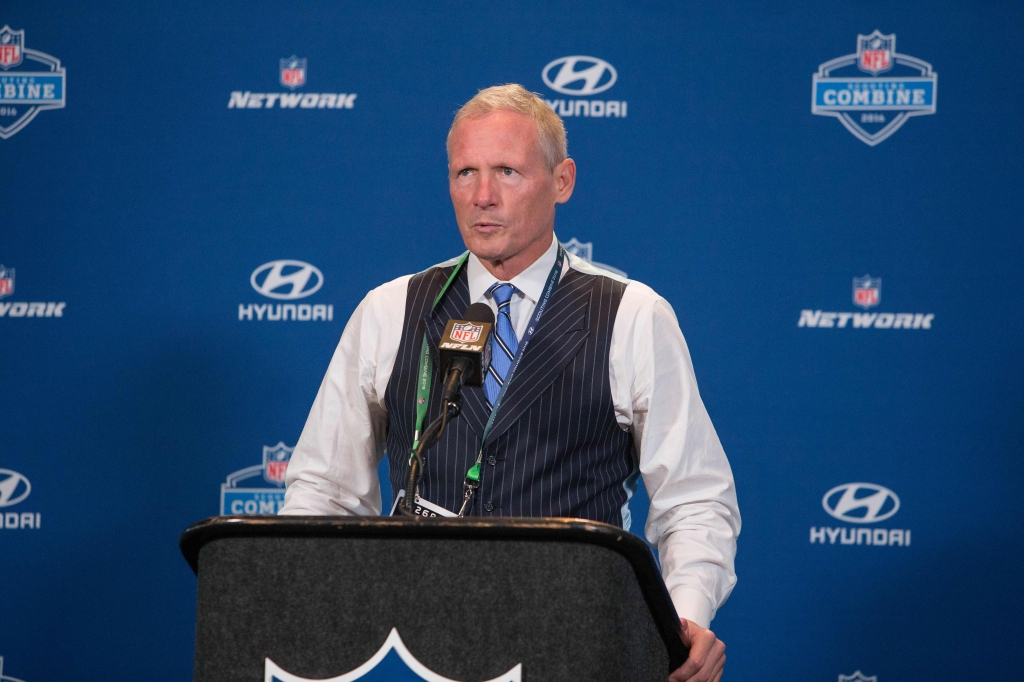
<point x="590" y="374"/>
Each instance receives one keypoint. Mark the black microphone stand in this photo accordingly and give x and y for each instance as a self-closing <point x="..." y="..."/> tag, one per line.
<point x="431" y="434"/>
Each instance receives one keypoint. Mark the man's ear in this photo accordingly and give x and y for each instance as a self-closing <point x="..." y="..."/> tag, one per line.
<point x="565" y="180"/>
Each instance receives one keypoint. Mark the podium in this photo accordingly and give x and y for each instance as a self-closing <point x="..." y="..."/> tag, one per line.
<point x="470" y="599"/>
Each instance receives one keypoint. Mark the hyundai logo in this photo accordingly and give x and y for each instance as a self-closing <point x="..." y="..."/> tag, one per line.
<point x="579" y="75"/>
<point x="286" y="279"/>
<point x="860" y="502"/>
<point x="13" y="487"/>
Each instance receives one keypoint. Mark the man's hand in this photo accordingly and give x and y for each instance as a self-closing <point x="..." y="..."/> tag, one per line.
<point x="706" y="659"/>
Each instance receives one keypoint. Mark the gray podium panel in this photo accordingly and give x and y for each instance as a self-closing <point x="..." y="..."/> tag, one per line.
<point x="470" y="599"/>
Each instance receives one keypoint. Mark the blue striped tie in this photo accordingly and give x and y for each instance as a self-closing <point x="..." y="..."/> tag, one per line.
<point x="503" y="341"/>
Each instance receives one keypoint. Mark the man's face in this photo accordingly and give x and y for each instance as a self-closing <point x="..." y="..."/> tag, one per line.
<point x="503" y="193"/>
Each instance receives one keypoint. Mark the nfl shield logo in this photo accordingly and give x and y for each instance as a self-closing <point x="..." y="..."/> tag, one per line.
<point x="293" y="72"/>
<point x="874" y="52"/>
<point x="867" y="291"/>
<point x="11" y="44"/>
<point x="275" y="462"/>
<point x="466" y="333"/>
<point x="6" y="281"/>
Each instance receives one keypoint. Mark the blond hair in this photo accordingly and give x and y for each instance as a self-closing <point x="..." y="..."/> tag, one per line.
<point x="514" y="97"/>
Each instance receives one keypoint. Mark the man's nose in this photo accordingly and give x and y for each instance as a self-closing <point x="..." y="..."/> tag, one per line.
<point x="486" y="192"/>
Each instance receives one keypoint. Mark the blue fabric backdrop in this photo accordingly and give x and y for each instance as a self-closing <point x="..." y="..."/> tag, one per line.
<point x="877" y="457"/>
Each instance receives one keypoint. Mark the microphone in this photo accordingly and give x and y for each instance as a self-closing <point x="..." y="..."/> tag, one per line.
<point x="465" y="349"/>
<point x="465" y="354"/>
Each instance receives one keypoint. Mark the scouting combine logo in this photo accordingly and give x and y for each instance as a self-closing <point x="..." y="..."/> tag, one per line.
<point x="867" y="291"/>
<point x="874" y="107"/>
<point x="585" y="250"/>
<point x="293" y="72"/>
<point x="580" y="76"/>
<point x="391" y="663"/>
<point x="30" y="82"/>
<point x="242" y="492"/>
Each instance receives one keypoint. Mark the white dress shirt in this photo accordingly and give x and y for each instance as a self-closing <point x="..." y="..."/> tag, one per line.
<point x="693" y="520"/>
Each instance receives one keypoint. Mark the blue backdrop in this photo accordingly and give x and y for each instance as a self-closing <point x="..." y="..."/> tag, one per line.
<point x="845" y="276"/>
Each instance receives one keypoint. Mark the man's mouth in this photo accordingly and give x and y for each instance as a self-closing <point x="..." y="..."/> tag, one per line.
<point x="486" y="226"/>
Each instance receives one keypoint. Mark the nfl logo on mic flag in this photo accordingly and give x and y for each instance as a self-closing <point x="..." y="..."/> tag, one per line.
<point x="466" y="333"/>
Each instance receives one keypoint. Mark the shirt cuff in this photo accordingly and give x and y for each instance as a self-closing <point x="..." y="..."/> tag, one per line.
<point x="692" y="605"/>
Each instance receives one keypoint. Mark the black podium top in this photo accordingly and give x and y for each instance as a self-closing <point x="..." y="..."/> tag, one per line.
<point x="629" y="546"/>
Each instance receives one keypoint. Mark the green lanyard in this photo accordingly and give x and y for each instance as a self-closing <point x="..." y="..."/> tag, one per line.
<point x="426" y="373"/>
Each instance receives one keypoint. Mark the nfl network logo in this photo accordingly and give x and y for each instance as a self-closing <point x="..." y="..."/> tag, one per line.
<point x="466" y="333"/>
<point x="873" y="108"/>
<point x="293" y="72"/>
<point x="26" y="88"/>
<point x="6" y="281"/>
<point x="867" y="291"/>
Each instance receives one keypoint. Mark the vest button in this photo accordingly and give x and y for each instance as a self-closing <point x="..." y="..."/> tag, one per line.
<point x="488" y="507"/>
<point x="492" y="460"/>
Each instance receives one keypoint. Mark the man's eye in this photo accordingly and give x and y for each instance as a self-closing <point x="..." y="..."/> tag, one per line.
<point x="465" y="172"/>
<point x="507" y="171"/>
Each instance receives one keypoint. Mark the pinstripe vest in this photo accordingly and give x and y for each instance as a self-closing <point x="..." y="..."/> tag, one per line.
<point x="555" y="448"/>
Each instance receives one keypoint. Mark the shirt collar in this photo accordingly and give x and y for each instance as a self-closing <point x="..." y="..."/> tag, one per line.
<point x="530" y="281"/>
